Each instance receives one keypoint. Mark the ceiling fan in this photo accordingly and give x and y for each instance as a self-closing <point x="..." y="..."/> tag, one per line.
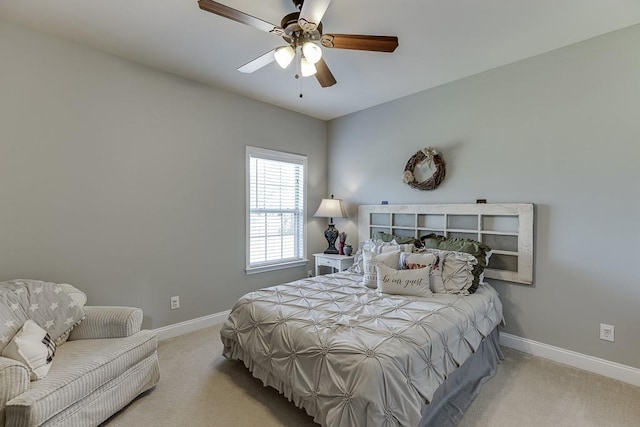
<point x="302" y="33"/>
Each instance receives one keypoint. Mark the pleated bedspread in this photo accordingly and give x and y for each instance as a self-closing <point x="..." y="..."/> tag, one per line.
<point x="353" y="356"/>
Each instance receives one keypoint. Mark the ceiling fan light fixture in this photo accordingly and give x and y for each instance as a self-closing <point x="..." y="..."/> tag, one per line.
<point x="312" y="52"/>
<point x="302" y="32"/>
<point x="284" y="55"/>
<point x="307" y="68"/>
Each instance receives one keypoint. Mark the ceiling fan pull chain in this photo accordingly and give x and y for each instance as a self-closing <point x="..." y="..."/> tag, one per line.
<point x="300" y="72"/>
<point x="298" y="58"/>
<point x="300" y="81"/>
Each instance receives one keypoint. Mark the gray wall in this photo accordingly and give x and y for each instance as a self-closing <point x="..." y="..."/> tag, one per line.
<point x="129" y="183"/>
<point x="561" y="130"/>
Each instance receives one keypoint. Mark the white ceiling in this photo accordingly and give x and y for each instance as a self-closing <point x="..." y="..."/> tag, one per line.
<point x="440" y="41"/>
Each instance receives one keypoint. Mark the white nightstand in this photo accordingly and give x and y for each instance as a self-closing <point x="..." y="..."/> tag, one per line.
<point x="337" y="262"/>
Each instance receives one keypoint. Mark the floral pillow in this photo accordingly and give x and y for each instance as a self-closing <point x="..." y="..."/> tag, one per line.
<point x="410" y="261"/>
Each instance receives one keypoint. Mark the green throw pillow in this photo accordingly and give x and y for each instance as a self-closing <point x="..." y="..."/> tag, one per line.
<point x="469" y="246"/>
<point x="386" y="237"/>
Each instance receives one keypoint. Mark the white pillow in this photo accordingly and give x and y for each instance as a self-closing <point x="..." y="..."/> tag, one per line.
<point x="378" y="247"/>
<point x="413" y="282"/>
<point x="453" y="273"/>
<point x="369" y="262"/>
<point x="392" y="246"/>
<point x="487" y="257"/>
<point x="32" y="346"/>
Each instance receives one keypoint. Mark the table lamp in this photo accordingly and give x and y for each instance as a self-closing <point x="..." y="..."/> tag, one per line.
<point x="331" y="208"/>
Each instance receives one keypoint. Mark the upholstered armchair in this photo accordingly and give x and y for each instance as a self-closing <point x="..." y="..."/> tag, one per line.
<point x="106" y="362"/>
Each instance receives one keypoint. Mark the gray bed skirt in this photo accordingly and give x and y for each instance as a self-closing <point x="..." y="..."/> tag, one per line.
<point x="454" y="396"/>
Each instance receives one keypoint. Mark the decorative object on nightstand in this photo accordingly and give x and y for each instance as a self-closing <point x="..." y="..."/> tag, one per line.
<point x="348" y="250"/>
<point x="343" y="238"/>
<point x="331" y="208"/>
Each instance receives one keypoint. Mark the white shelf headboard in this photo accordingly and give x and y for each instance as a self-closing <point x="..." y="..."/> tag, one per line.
<point x="506" y="228"/>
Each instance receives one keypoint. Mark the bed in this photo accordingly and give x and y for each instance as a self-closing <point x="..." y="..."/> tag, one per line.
<point x="353" y="356"/>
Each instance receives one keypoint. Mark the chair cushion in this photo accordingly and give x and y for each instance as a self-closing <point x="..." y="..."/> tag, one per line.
<point x="80" y="368"/>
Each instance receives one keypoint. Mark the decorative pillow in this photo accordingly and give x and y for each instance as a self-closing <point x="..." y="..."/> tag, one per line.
<point x="386" y="237"/>
<point x="477" y="249"/>
<point x="357" y="266"/>
<point x="358" y="258"/>
<point x="376" y="246"/>
<point x="394" y="246"/>
<point x="44" y="302"/>
<point x="32" y="346"/>
<point x="453" y="273"/>
<point x="486" y="263"/>
<point x="371" y="260"/>
<point x="413" y="282"/>
<point x="418" y="260"/>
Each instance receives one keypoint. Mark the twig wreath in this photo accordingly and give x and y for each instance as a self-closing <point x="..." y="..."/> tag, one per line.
<point x="425" y="156"/>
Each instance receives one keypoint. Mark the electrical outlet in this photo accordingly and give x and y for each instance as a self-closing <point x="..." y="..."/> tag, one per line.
<point x="309" y="273"/>
<point x="607" y="332"/>
<point x="175" y="302"/>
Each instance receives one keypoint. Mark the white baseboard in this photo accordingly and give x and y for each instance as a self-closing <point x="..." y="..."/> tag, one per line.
<point x="192" y="325"/>
<point x="596" y="365"/>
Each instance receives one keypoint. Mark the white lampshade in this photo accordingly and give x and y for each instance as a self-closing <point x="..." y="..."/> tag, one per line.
<point x="312" y="52"/>
<point x="284" y="55"/>
<point x="331" y="208"/>
<point x="307" y="68"/>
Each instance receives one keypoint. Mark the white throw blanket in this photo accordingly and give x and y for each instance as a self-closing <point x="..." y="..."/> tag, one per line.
<point x="45" y="303"/>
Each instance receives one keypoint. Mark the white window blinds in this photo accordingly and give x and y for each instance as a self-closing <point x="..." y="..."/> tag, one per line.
<point x="276" y="209"/>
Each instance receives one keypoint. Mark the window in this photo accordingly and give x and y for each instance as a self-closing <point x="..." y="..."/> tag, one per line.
<point x="276" y="183"/>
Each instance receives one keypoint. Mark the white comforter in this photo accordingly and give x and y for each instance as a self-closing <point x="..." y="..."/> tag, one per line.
<point x="352" y="356"/>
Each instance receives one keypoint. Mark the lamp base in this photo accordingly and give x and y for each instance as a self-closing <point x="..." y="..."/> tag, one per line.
<point x="331" y="234"/>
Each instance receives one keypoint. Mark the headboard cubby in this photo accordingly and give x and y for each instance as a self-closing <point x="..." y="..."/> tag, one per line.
<point x="506" y="228"/>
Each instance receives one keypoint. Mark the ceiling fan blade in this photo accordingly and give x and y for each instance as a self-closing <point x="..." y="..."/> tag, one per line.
<point x="360" y="42"/>
<point x="312" y="13"/>
<point x="259" y="62"/>
<point x="230" y="13"/>
<point x="323" y="74"/>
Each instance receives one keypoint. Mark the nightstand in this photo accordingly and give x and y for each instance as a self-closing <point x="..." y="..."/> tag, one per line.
<point x="337" y="262"/>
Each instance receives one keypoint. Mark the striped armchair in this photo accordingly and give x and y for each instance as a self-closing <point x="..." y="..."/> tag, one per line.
<point x="105" y="364"/>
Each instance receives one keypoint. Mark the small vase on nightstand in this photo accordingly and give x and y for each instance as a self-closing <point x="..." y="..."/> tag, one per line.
<point x="347" y="250"/>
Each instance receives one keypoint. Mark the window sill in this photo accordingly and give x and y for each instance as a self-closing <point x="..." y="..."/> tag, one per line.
<point x="273" y="267"/>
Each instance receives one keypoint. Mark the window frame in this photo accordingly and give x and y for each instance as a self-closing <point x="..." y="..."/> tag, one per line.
<point x="282" y="156"/>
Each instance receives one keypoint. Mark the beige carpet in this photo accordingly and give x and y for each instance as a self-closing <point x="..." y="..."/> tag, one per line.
<point x="198" y="387"/>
